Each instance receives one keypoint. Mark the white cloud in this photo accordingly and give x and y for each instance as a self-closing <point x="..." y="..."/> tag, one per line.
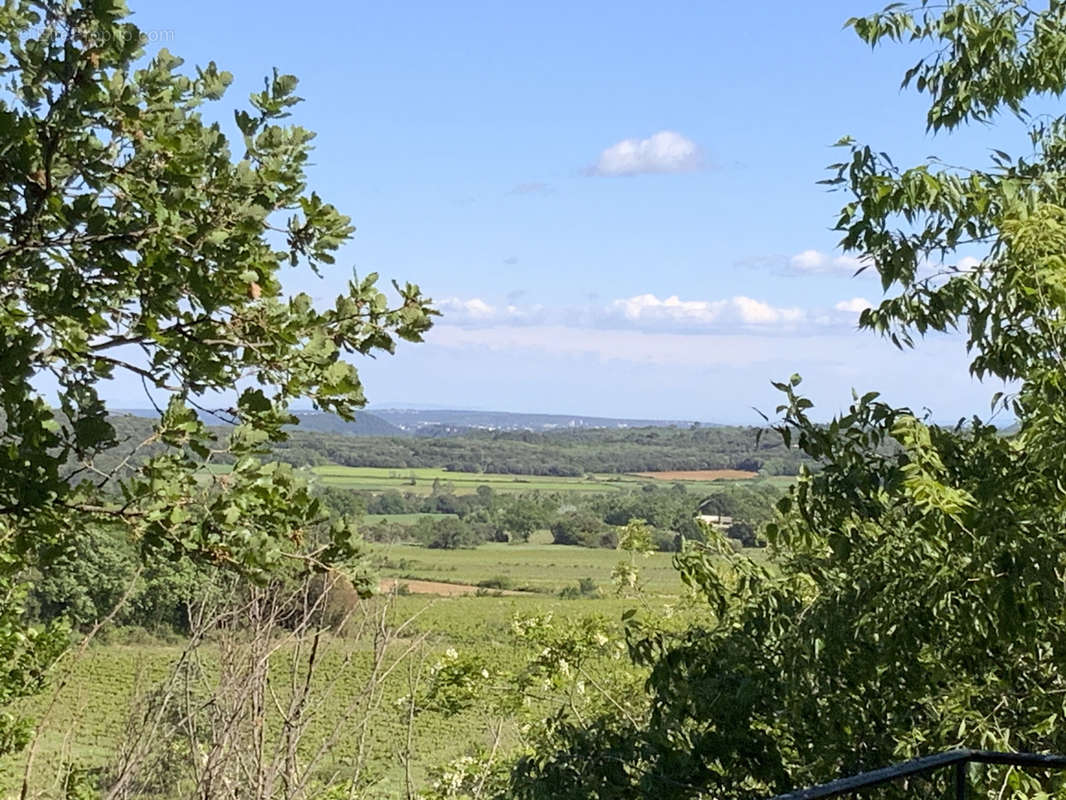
<point x="644" y="312"/>
<point x="808" y="261"/>
<point x="850" y="263"/>
<point x="478" y="313"/>
<point x="737" y="341"/>
<point x="819" y="262"/>
<point x="637" y="346"/>
<point x="475" y="308"/>
<point x="665" y="151"/>
<point x="855" y="305"/>
<point x="865" y="356"/>
<point x="709" y="376"/>
<point x="814" y="262"/>
<point x="758" y="313"/>
<point x="673" y="312"/>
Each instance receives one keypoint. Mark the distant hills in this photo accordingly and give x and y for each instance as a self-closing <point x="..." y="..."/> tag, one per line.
<point x="431" y="421"/>
<point x="364" y="424"/>
<point x="498" y="442"/>
<point x="402" y="422"/>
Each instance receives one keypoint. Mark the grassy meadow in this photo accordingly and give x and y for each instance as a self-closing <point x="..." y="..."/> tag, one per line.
<point x="537" y="566"/>
<point x="421" y="480"/>
<point x="89" y="722"/>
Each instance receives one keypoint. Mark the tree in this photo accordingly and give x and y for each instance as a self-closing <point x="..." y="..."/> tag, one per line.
<point x="135" y="245"/>
<point x="915" y="599"/>
<point x="581" y="529"/>
<point x="523" y="516"/>
<point x="719" y="504"/>
<point x="743" y="532"/>
<point x="85" y="583"/>
<point x="451" y="534"/>
<point x="749" y="464"/>
<point x="388" y="502"/>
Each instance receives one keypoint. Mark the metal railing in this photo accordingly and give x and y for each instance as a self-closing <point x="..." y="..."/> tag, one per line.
<point x="958" y="760"/>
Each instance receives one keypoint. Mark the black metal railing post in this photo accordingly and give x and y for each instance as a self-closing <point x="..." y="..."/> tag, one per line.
<point x="957" y="760"/>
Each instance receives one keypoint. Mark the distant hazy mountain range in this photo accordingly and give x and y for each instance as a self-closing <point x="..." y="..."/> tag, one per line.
<point x="434" y="422"/>
<point x="416" y="420"/>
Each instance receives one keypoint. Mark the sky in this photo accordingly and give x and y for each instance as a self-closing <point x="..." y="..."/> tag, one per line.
<point x="615" y="205"/>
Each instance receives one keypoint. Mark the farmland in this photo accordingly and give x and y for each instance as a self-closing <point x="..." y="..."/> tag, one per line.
<point x="452" y="597"/>
<point x="700" y="475"/>
<point x="90" y="720"/>
<point x="421" y="480"/>
<point x="538" y="566"/>
<point x="436" y="539"/>
<point x="90" y="723"/>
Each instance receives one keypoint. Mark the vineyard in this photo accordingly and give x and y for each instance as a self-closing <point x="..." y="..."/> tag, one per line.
<point x="88" y="719"/>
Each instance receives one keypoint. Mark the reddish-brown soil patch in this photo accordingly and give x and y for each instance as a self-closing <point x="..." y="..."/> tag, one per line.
<point x="700" y="475"/>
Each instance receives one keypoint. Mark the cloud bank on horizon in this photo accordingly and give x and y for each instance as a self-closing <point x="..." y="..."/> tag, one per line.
<point x="665" y="366"/>
<point x="650" y="313"/>
<point x="712" y="358"/>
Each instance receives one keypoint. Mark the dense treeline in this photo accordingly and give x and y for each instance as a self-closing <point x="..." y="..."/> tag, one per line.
<point x="103" y="576"/>
<point x="563" y="453"/>
<point x="573" y="519"/>
<point x="102" y="570"/>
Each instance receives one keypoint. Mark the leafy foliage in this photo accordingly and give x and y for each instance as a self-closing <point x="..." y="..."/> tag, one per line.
<point x="558" y="453"/>
<point x="915" y="599"/>
<point x="134" y="244"/>
<point x="101" y="576"/>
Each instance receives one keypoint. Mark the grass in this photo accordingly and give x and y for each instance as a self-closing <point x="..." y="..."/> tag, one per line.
<point x="629" y="480"/>
<point x="89" y="721"/>
<point x="783" y="481"/>
<point x="420" y="481"/>
<point x="534" y="566"/>
<point x="86" y="727"/>
<point x="700" y="475"/>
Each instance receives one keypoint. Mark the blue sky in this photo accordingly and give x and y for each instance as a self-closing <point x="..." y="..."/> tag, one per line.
<point x="615" y="204"/>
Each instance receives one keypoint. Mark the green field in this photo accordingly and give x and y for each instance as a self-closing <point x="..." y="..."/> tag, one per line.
<point x="88" y="723"/>
<point x="421" y="480"/>
<point x="536" y="566"/>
